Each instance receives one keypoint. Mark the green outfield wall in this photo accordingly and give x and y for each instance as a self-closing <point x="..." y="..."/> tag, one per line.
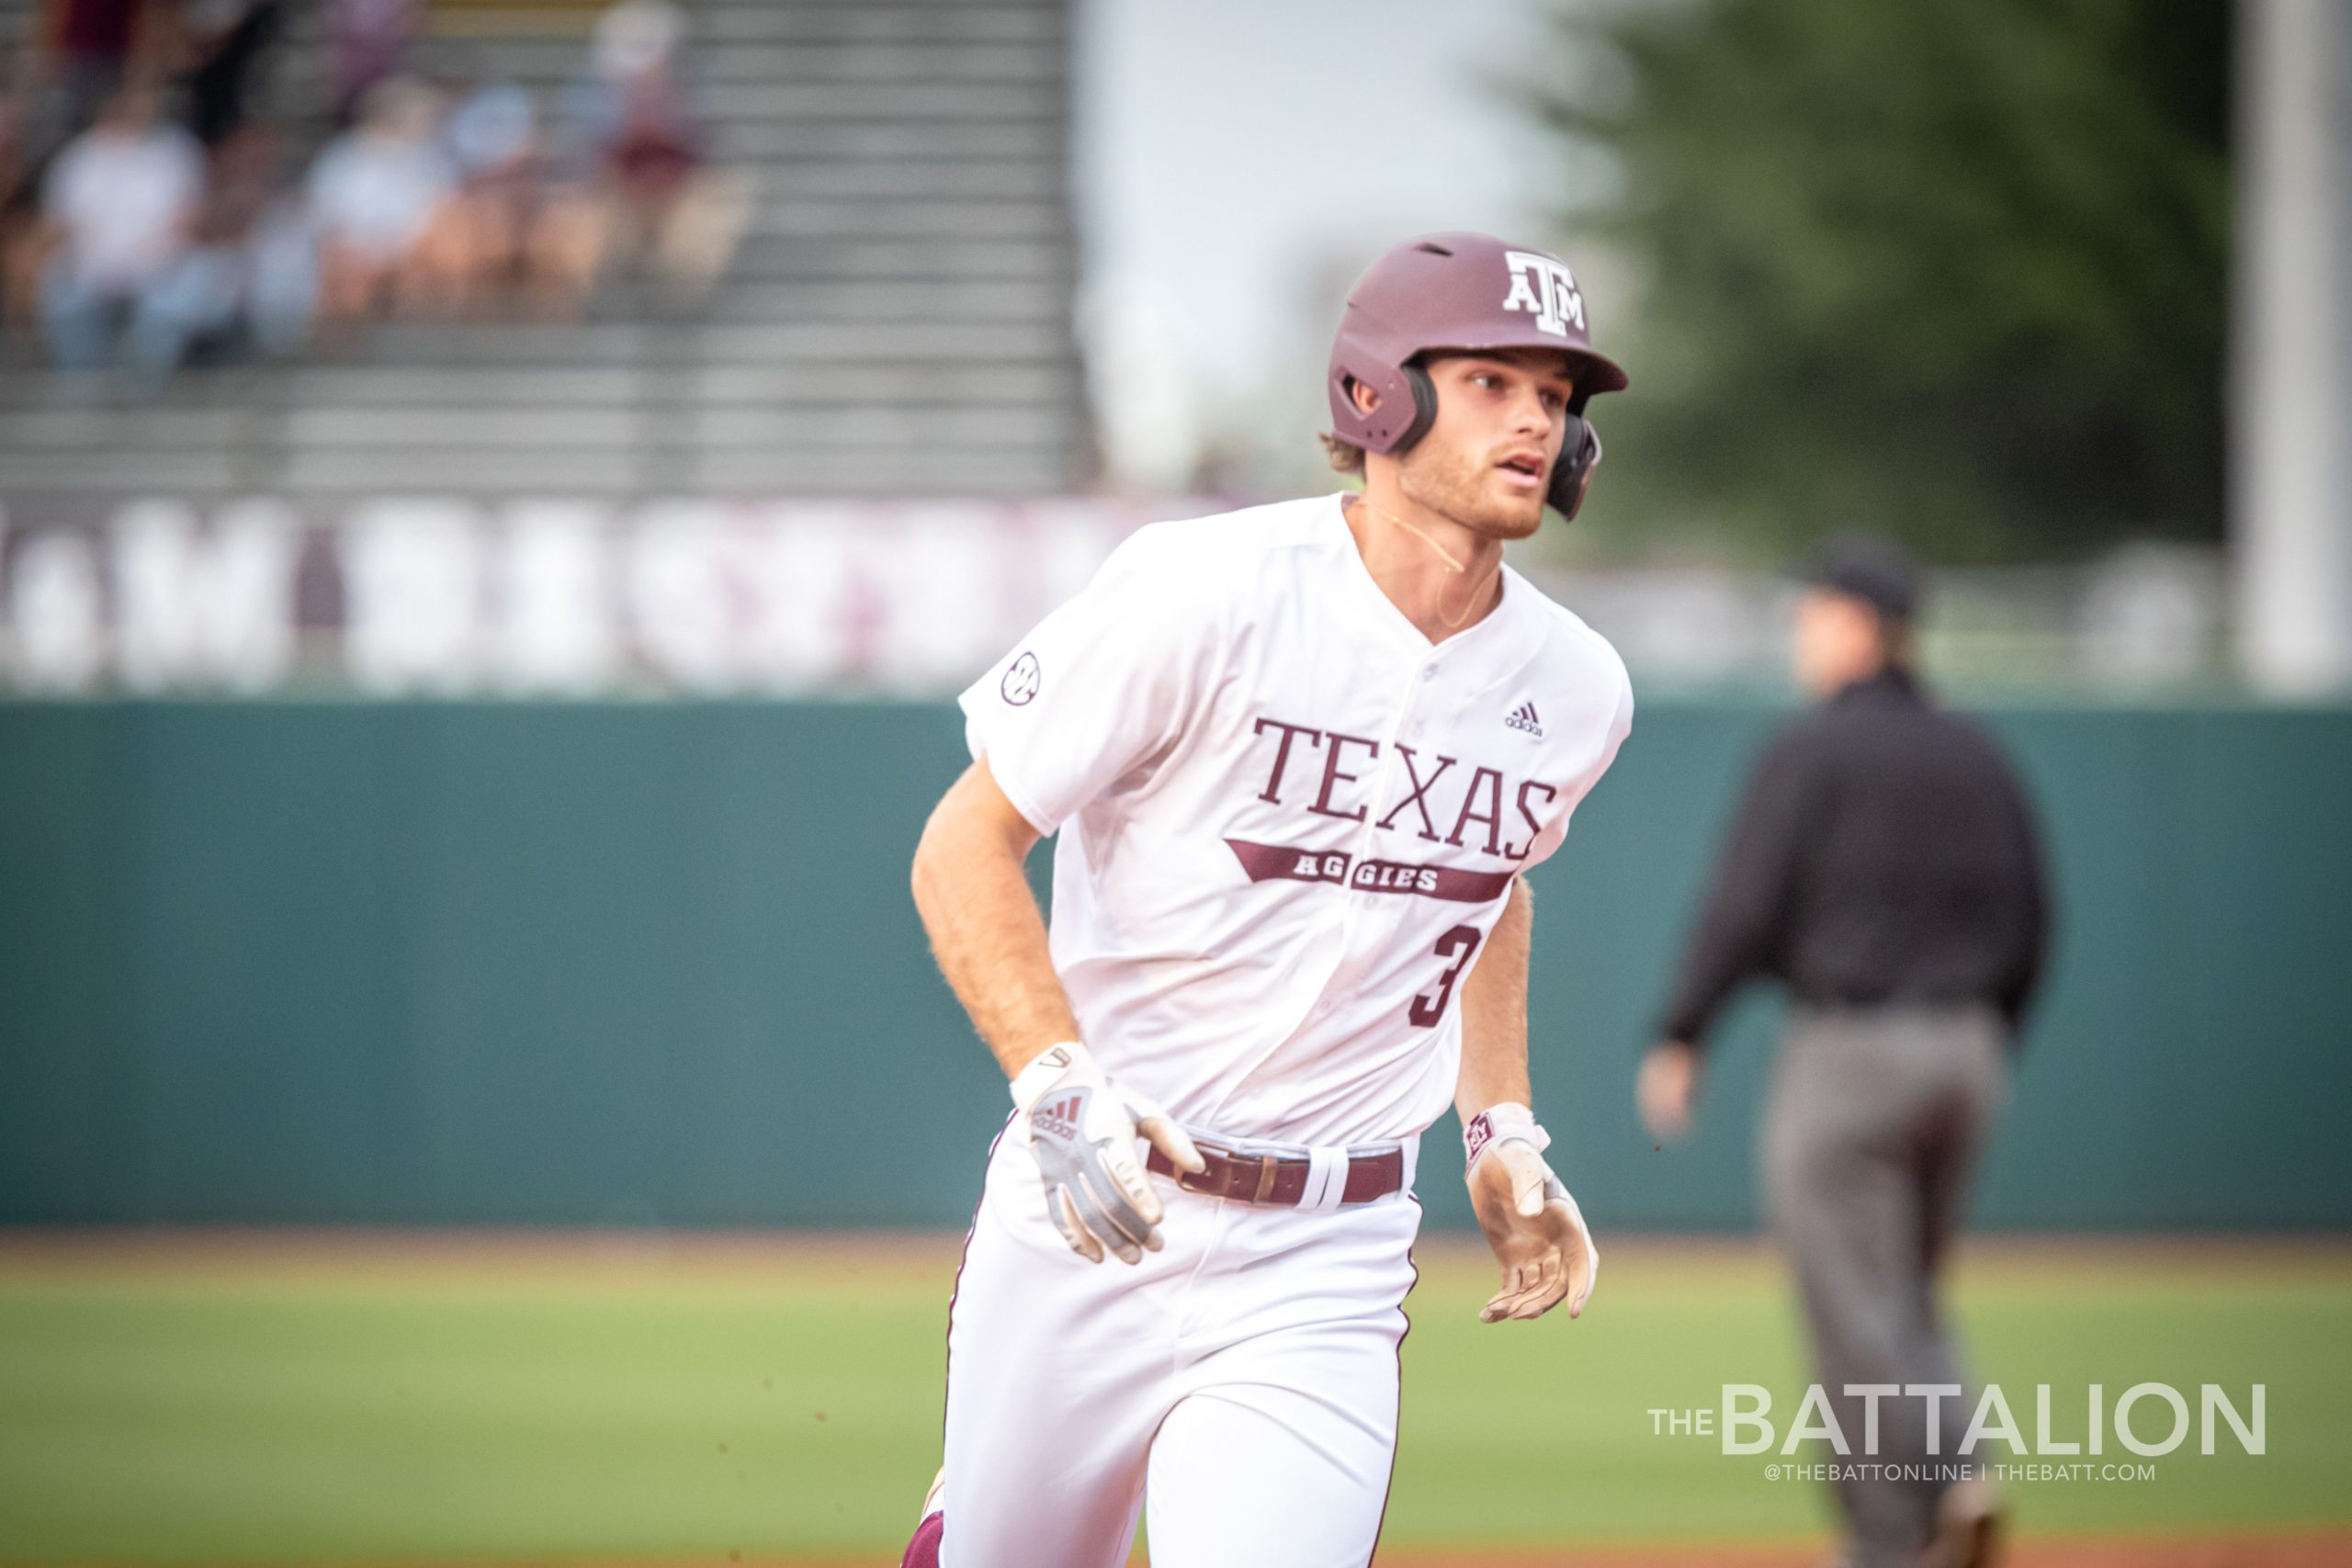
<point x="643" y="964"/>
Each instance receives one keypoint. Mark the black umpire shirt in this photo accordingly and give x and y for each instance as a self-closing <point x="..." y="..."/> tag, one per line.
<point x="1884" y="853"/>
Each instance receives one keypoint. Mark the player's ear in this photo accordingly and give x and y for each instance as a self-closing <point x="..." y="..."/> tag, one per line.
<point x="1365" y="398"/>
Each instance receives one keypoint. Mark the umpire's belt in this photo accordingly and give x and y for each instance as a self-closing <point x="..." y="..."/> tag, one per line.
<point x="1290" y="1176"/>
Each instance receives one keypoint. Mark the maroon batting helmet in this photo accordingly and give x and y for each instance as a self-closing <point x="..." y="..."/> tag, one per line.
<point x="1463" y="292"/>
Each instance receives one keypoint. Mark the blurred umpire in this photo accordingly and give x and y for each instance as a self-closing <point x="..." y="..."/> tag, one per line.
<point x="1884" y="867"/>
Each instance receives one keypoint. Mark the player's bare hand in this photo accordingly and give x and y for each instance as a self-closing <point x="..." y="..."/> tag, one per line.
<point x="1666" y="1089"/>
<point x="1538" y="1233"/>
<point x="1082" y="1128"/>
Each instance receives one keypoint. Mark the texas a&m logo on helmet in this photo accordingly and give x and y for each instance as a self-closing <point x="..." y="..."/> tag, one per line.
<point x="1542" y="285"/>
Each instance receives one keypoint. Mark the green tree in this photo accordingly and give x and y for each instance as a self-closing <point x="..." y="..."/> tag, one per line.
<point x="1953" y="268"/>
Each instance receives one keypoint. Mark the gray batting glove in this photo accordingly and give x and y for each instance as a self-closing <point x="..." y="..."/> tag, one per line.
<point x="1084" y="1129"/>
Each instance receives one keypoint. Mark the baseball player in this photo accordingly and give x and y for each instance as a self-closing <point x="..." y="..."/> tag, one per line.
<point x="1300" y="757"/>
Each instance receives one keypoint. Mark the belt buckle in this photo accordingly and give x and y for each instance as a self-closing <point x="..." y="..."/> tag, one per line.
<point x="1212" y="1156"/>
<point x="1241" y="1183"/>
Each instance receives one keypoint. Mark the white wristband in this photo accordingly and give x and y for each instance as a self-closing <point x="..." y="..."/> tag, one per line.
<point x="1042" y="1069"/>
<point x="1508" y="1120"/>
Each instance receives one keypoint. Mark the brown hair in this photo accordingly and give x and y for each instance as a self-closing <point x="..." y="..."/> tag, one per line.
<point x="1345" y="457"/>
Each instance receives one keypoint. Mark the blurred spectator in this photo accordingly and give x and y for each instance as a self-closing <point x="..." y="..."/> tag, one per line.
<point x="364" y="42"/>
<point x="226" y="42"/>
<point x="513" y="230"/>
<point x="475" y="246"/>
<point x="85" y="52"/>
<point x="120" y="199"/>
<point x="19" y="211"/>
<point x="248" y="279"/>
<point x="376" y="192"/>
<point x="669" y="212"/>
<point x="493" y="134"/>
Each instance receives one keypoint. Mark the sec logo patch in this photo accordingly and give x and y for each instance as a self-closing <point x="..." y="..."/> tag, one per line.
<point x="1019" y="683"/>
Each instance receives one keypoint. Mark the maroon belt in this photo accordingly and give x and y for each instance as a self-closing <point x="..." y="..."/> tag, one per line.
<point x="1280" y="1180"/>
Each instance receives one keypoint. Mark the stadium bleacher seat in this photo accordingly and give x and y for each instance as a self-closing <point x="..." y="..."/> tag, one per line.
<point x="896" y="322"/>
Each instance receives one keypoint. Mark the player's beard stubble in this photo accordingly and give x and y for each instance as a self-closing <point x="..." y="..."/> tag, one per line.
<point x="1464" y="490"/>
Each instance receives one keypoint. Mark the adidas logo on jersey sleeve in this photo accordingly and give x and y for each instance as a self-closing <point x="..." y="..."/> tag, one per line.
<point x="1524" y="718"/>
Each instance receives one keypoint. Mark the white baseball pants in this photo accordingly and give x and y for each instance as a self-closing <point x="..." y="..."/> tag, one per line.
<point x="1242" y="1382"/>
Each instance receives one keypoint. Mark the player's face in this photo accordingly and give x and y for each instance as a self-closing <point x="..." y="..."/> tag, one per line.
<point x="1487" y="459"/>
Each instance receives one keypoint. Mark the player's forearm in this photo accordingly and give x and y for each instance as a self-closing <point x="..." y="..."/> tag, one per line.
<point x="1494" y="1014"/>
<point x="987" y="933"/>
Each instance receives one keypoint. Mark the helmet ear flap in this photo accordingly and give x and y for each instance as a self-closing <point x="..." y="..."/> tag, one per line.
<point x="1353" y="366"/>
<point x="1572" y="475"/>
<point x="1424" y="407"/>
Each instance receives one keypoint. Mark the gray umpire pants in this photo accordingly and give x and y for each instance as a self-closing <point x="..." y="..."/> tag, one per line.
<point x="1872" y="1134"/>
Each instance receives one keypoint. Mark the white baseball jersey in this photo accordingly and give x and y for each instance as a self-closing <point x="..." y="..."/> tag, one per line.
<point x="1287" y="820"/>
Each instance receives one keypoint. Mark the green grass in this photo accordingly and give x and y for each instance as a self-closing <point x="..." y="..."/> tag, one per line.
<point x="305" y="1407"/>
